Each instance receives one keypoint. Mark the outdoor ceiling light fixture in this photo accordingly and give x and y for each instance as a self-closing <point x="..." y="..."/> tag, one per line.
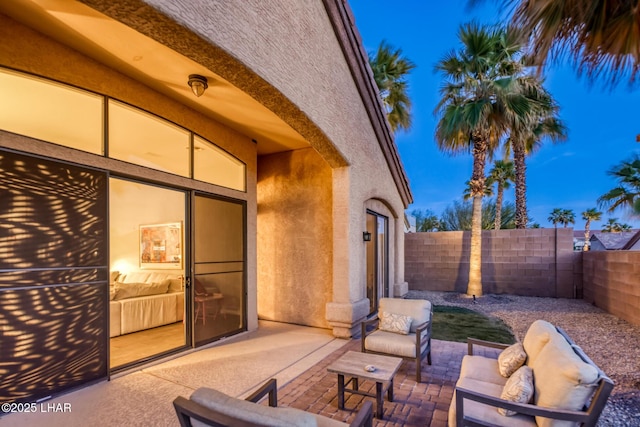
<point x="198" y="84"/>
<point x="366" y="236"/>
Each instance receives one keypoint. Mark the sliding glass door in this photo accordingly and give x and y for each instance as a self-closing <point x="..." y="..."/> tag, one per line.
<point x="218" y="276"/>
<point x="377" y="259"/>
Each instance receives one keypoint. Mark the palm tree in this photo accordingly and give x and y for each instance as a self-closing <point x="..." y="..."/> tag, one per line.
<point x="602" y="37"/>
<point x="627" y="193"/>
<point x="527" y="135"/>
<point x="612" y="226"/>
<point x="480" y="94"/>
<point x="502" y="174"/>
<point x="467" y="194"/>
<point x="562" y="216"/>
<point x="390" y="69"/>
<point x="589" y="215"/>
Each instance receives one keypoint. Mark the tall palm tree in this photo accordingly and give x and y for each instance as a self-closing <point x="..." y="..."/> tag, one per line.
<point x="527" y="134"/>
<point x="602" y="37"/>
<point x="480" y="94"/>
<point x="589" y="215"/>
<point x="502" y="174"/>
<point x="390" y="70"/>
<point x="627" y="193"/>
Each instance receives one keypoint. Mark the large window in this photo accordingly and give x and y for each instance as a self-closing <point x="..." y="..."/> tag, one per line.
<point x="51" y="112"/>
<point x="64" y="115"/>
<point x="216" y="166"/>
<point x="144" y="139"/>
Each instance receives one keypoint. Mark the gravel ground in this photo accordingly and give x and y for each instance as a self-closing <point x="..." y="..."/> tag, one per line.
<point x="612" y="343"/>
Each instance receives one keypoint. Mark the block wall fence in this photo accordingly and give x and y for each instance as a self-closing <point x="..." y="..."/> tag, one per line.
<point x="531" y="262"/>
<point x="612" y="282"/>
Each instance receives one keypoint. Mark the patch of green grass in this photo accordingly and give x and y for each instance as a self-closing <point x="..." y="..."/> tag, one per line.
<point x="458" y="324"/>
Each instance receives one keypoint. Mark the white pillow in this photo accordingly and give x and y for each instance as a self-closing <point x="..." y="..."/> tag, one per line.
<point x="518" y="388"/>
<point x="510" y="359"/>
<point x="397" y="323"/>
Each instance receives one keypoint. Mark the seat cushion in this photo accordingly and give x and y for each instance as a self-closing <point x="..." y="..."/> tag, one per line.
<point x="419" y="310"/>
<point x="482" y="369"/>
<point x="392" y="343"/>
<point x="251" y="412"/>
<point x="562" y="380"/>
<point x="484" y="412"/>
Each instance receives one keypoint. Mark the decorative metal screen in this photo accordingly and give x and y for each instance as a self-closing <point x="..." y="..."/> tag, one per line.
<point x="53" y="277"/>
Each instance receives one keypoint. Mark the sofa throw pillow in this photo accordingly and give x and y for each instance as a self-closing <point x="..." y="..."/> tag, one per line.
<point x="518" y="388"/>
<point x="510" y="359"/>
<point x="397" y="323"/>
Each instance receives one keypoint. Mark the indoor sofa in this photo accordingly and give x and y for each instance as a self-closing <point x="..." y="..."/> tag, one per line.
<point x="143" y="300"/>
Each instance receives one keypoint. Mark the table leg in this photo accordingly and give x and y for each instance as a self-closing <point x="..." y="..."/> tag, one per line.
<point x="390" y="391"/>
<point x="355" y="384"/>
<point x="340" y="391"/>
<point x="379" y="401"/>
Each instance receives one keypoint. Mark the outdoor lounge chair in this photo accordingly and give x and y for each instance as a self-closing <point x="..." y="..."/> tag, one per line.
<point x="210" y="407"/>
<point x="412" y="342"/>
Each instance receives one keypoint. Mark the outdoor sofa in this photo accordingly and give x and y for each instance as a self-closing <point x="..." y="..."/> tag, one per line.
<point x="209" y="407"/>
<point x="564" y="386"/>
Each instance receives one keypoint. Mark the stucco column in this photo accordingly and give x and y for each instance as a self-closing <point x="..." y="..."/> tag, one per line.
<point x="400" y="287"/>
<point x="349" y="306"/>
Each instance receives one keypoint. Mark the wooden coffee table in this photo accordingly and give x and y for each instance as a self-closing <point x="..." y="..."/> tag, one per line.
<point x="353" y="363"/>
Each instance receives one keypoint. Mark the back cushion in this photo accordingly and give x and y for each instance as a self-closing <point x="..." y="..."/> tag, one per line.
<point x="538" y="335"/>
<point x="251" y="412"/>
<point x="136" y="277"/>
<point x="419" y="310"/>
<point x="562" y="380"/>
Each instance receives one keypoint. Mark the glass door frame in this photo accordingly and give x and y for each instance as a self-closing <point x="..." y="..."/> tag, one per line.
<point x="380" y="288"/>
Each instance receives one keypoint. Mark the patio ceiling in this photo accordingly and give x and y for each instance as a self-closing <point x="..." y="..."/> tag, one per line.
<point x="157" y="66"/>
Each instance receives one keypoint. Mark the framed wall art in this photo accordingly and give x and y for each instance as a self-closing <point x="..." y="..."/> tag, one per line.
<point x="161" y="246"/>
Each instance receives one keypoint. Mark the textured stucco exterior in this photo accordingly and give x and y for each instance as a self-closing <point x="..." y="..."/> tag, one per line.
<point x="306" y="209"/>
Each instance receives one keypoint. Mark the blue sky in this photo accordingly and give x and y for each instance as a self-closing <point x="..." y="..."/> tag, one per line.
<point x="602" y="124"/>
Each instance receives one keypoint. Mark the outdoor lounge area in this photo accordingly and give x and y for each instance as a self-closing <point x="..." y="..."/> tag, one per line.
<point x="298" y="358"/>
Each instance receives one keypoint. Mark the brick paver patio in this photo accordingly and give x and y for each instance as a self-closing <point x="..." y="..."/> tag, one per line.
<point x="424" y="404"/>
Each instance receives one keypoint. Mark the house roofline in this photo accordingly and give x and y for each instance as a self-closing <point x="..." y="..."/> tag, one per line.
<point x="343" y="22"/>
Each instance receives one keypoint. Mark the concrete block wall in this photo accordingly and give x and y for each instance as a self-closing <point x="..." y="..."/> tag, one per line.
<point x="530" y="262"/>
<point x="612" y="282"/>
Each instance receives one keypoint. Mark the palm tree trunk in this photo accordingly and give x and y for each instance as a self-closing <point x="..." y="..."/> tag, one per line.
<point x="521" y="185"/>
<point x="497" y="225"/>
<point x="480" y="146"/>
<point x="587" y="225"/>
<point x="474" y="287"/>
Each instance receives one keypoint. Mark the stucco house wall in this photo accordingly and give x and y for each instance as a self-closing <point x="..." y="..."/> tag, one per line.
<point x="270" y="51"/>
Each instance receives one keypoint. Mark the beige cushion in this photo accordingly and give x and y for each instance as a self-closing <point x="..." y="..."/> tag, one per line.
<point x="135" y="277"/>
<point x="392" y="343"/>
<point x="519" y="388"/>
<point x="419" y="310"/>
<point x="510" y="359"/>
<point x="113" y="276"/>
<point x="481" y="368"/>
<point x="537" y="336"/>
<point x="562" y="380"/>
<point x="133" y="290"/>
<point x="251" y="412"/>
<point x="397" y="323"/>
<point x="328" y="422"/>
<point x="484" y="412"/>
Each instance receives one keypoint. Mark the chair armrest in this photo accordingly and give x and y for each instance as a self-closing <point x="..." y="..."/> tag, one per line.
<point x="363" y="329"/>
<point x="521" y="408"/>
<point x="473" y="341"/>
<point x="269" y="388"/>
<point x="364" y="417"/>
